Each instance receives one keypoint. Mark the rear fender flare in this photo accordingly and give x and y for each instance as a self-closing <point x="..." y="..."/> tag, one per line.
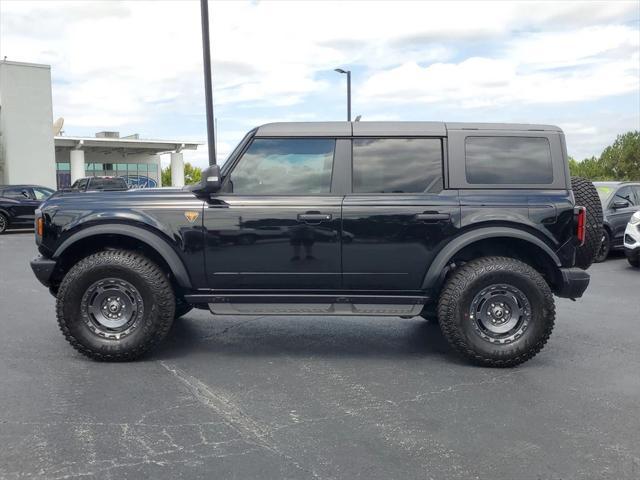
<point x="434" y="276"/>
<point x="153" y="240"/>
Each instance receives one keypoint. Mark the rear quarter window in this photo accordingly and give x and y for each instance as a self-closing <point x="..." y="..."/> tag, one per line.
<point x="508" y="160"/>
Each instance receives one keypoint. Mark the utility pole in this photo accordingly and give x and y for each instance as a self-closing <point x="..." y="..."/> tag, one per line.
<point x="348" y="73"/>
<point x="208" y="89"/>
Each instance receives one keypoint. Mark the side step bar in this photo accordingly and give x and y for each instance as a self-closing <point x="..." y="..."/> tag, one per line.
<point x="278" y="304"/>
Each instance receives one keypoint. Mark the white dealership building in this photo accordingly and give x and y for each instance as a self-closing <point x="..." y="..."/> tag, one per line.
<point x="32" y="150"/>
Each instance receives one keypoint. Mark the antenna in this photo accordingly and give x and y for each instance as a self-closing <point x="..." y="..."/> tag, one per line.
<point x="57" y="126"/>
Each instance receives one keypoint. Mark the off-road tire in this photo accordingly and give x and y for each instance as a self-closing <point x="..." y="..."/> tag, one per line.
<point x="150" y="325"/>
<point x="604" y="247"/>
<point x="4" y="223"/>
<point x="182" y="308"/>
<point x="459" y="328"/>
<point x="586" y="195"/>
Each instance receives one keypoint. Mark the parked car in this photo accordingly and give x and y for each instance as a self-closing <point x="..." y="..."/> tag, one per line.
<point x="620" y="200"/>
<point x="18" y="204"/>
<point x="98" y="184"/>
<point x="479" y="223"/>
<point x="632" y="240"/>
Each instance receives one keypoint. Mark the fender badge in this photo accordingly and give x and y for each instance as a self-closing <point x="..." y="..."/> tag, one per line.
<point x="191" y="216"/>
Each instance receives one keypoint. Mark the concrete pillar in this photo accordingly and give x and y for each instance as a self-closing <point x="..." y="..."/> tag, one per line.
<point x="177" y="170"/>
<point x="77" y="164"/>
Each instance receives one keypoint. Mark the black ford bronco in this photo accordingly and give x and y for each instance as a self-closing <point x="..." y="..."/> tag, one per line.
<point x="477" y="225"/>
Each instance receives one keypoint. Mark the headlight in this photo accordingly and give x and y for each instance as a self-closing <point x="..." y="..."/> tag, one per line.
<point x="635" y="218"/>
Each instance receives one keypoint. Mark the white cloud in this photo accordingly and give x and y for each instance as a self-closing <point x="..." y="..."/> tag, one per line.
<point x="532" y="70"/>
<point x="120" y="64"/>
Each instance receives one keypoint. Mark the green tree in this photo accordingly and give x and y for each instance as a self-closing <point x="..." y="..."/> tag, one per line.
<point x="620" y="161"/>
<point x="191" y="175"/>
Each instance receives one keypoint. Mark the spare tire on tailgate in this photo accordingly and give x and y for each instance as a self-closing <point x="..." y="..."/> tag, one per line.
<point x="586" y="195"/>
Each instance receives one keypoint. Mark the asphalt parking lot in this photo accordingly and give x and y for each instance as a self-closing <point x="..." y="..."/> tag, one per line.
<point x="300" y="397"/>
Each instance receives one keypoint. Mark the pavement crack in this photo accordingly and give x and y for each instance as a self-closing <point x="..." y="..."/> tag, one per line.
<point x="249" y="429"/>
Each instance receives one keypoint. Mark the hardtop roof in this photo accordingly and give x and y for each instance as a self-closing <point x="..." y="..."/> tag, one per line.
<point x="364" y="129"/>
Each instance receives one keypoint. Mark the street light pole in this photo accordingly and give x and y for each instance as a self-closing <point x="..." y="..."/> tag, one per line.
<point x="348" y="73"/>
<point x="208" y="95"/>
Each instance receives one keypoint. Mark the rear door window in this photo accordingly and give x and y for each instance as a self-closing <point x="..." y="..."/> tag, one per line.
<point x="397" y="165"/>
<point x="508" y="160"/>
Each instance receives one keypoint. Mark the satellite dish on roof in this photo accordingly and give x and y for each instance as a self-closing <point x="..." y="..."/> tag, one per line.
<point x="57" y="126"/>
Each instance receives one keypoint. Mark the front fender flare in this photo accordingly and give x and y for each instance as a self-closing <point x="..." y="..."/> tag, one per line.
<point x="153" y="240"/>
<point x="433" y="277"/>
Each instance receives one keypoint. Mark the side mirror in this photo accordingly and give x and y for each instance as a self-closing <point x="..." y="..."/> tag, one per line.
<point x="210" y="182"/>
<point x="620" y="204"/>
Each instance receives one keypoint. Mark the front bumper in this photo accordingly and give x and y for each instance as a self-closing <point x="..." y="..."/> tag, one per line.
<point x="573" y="283"/>
<point x="43" y="269"/>
<point x="632" y="253"/>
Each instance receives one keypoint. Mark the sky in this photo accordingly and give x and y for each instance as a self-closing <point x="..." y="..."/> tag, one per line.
<point x="136" y="66"/>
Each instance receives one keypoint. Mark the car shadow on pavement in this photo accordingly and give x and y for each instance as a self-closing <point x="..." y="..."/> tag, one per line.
<point x="300" y="336"/>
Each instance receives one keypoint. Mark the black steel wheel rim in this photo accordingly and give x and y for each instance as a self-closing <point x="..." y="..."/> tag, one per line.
<point x="500" y="313"/>
<point x="112" y="308"/>
<point x="604" y="247"/>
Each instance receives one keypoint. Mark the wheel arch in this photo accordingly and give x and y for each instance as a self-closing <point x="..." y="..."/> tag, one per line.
<point x="98" y="237"/>
<point x="532" y="248"/>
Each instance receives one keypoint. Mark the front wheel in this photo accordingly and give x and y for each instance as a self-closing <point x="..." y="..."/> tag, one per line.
<point x="4" y="223"/>
<point x="115" y="305"/>
<point x="604" y="248"/>
<point x="496" y="311"/>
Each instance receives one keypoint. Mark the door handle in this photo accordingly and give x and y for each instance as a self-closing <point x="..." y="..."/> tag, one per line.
<point x="314" y="217"/>
<point x="433" y="217"/>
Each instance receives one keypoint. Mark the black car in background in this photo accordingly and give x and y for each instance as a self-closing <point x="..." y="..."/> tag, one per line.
<point x="98" y="184"/>
<point x="620" y="200"/>
<point x="18" y="204"/>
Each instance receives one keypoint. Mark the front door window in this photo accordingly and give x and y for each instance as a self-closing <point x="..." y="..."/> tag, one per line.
<point x="285" y="167"/>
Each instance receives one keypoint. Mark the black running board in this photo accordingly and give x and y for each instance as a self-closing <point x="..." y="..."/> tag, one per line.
<point x="294" y="304"/>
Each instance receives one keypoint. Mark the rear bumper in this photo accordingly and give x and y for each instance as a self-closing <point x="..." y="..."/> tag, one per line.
<point x="573" y="283"/>
<point x="43" y="269"/>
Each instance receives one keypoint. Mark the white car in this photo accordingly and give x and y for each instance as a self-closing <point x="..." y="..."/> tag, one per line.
<point x="632" y="240"/>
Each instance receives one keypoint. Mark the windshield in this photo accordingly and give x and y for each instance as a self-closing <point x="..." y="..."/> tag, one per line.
<point x="108" y="184"/>
<point x="604" y="192"/>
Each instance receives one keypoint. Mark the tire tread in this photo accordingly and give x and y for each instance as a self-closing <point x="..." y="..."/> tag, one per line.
<point x="454" y="290"/>
<point x="144" y="267"/>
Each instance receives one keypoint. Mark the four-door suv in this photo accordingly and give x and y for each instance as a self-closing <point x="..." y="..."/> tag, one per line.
<point x="620" y="200"/>
<point x="477" y="223"/>
<point x="18" y="204"/>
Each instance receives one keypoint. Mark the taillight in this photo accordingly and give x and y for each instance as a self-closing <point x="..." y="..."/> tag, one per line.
<point x="581" y="229"/>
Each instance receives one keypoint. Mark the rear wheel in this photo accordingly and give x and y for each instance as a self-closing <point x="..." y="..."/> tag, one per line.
<point x="115" y="305"/>
<point x="604" y="248"/>
<point x="4" y="223"/>
<point x="496" y="311"/>
<point x="586" y="195"/>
